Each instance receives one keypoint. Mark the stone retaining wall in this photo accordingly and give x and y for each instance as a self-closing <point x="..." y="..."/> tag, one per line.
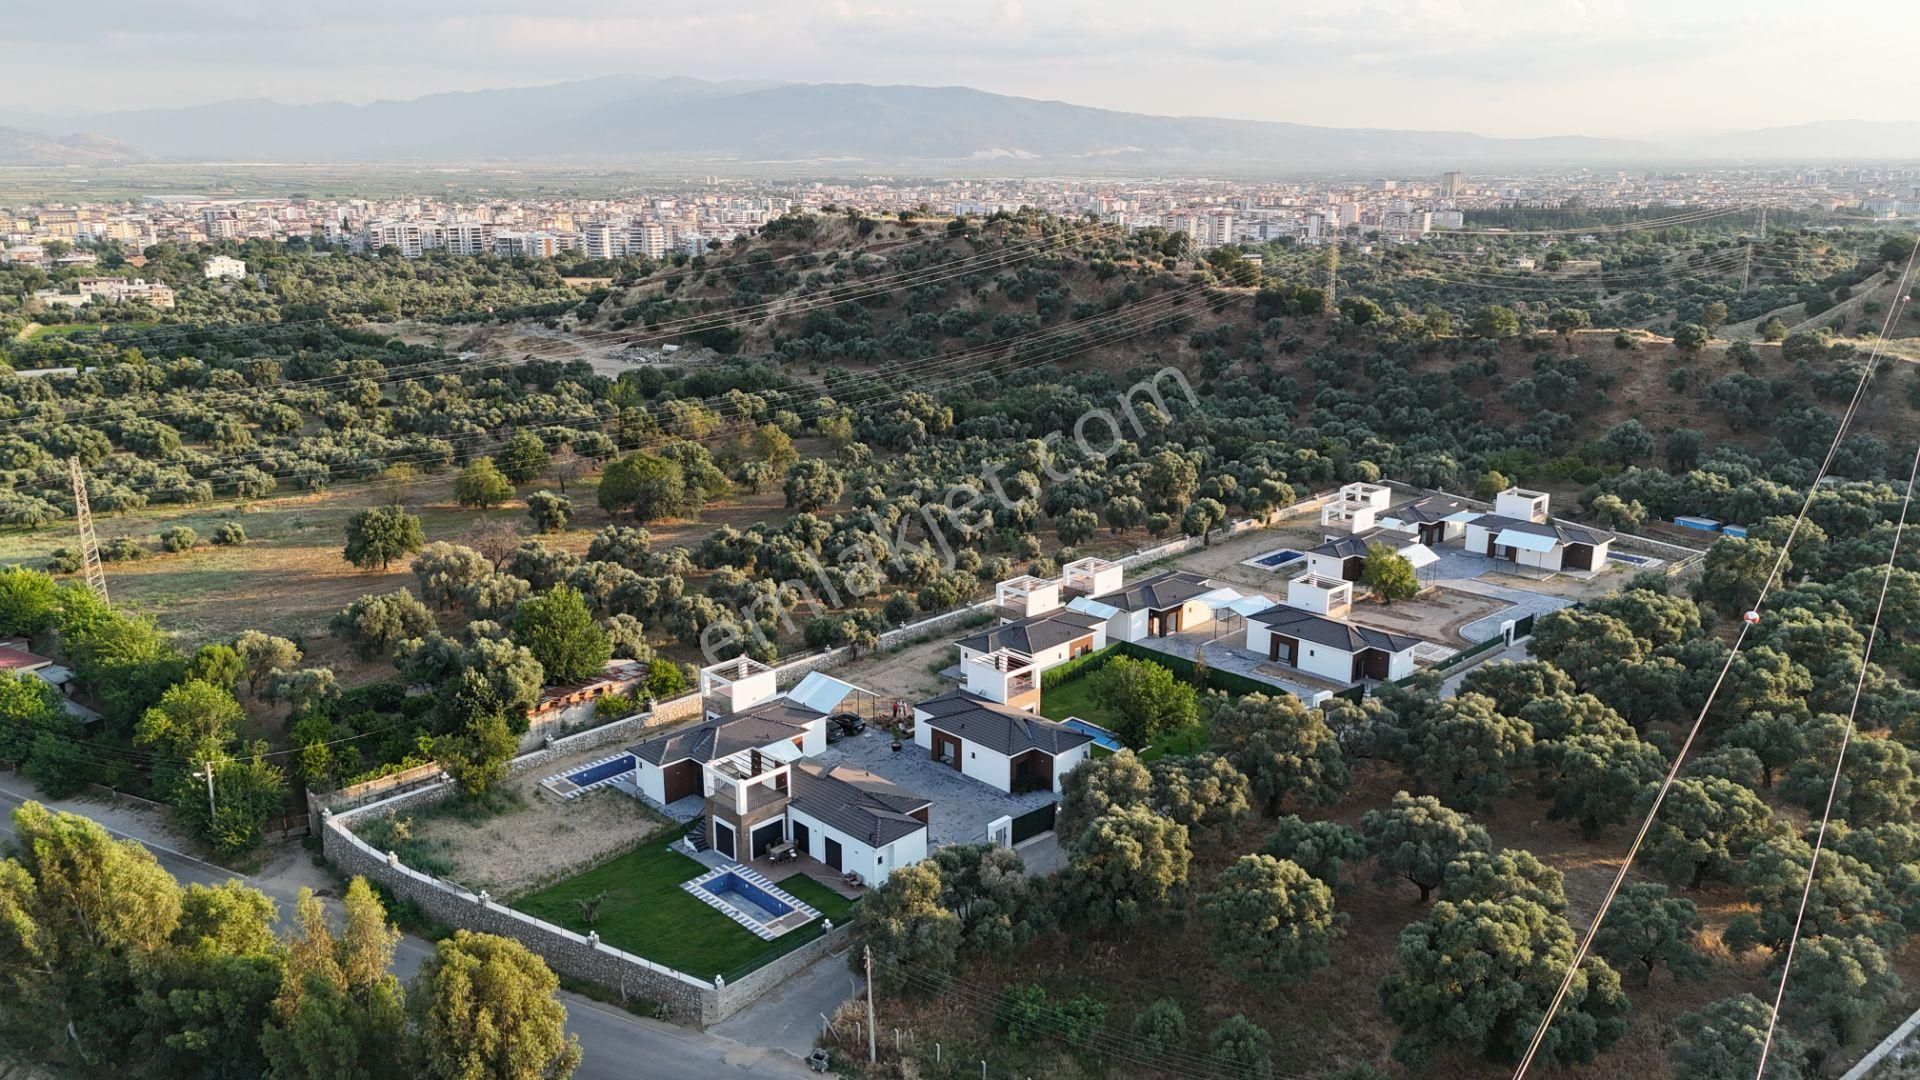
<point x="680" y="996"/>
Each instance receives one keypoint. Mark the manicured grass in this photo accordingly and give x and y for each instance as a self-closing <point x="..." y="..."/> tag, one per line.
<point x="1075" y="699"/>
<point x="647" y="913"/>
<point x="822" y="899"/>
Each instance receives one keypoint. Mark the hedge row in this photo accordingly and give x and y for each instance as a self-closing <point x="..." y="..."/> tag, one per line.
<point x="1082" y="666"/>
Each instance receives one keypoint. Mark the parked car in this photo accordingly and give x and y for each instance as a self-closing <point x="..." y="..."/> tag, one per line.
<point x="846" y="723"/>
<point x="835" y="733"/>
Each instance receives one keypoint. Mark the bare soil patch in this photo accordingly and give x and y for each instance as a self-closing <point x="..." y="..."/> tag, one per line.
<point x="537" y="839"/>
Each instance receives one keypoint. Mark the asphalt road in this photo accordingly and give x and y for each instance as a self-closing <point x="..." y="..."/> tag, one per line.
<point x="616" y="1045"/>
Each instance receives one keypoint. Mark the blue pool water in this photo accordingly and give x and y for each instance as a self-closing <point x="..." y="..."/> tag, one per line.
<point x="1631" y="560"/>
<point x="595" y="773"/>
<point x="1280" y="558"/>
<point x="742" y="893"/>
<point x="1102" y="738"/>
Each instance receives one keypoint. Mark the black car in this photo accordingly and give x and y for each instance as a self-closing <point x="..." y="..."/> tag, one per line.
<point x="840" y="725"/>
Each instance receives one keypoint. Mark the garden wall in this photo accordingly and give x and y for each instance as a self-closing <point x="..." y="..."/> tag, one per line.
<point x="679" y="996"/>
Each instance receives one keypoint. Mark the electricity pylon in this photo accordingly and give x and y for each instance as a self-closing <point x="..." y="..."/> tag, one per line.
<point x="89" y="544"/>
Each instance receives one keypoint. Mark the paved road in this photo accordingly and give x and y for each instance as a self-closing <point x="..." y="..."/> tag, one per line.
<point x="617" y="1044"/>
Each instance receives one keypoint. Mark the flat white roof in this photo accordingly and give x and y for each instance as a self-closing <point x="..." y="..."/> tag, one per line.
<point x="1525" y="541"/>
<point x="821" y="693"/>
<point x="1092" y="607"/>
<point x="1420" y="555"/>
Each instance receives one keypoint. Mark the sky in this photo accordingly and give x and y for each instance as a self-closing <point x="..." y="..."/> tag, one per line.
<point x="1497" y="67"/>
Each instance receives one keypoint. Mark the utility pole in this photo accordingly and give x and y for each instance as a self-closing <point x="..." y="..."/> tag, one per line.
<point x="1763" y="224"/>
<point x="96" y="574"/>
<point x="873" y="1048"/>
<point x="1333" y="280"/>
<point x="207" y="771"/>
<point x="1746" y="267"/>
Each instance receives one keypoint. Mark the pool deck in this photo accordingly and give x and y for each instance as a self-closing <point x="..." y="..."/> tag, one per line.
<point x="746" y="913"/>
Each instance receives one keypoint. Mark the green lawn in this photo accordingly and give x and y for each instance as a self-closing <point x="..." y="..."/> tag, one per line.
<point x="647" y="913"/>
<point x="1076" y="699"/>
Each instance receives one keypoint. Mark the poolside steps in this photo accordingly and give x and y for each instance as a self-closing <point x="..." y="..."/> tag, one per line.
<point x="802" y="913"/>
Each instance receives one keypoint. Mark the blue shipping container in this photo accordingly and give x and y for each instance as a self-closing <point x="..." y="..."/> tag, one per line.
<point x="1736" y="531"/>
<point x="1704" y="524"/>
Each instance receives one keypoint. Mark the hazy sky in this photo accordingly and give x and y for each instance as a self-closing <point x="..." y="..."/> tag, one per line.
<point x="1500" y="67"/>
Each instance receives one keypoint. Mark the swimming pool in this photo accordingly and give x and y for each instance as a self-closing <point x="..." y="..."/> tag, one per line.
<point x="751" y="900"/>
<point x="1104" y="739"/>
<point x="1631" y="560"/>
<point x="1273" y="560"/>
<point x="603" y="770"/>
<point x="594" y="774"/>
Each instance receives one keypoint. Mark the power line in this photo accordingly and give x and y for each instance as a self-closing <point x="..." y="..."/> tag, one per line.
<point x="1751" y="619"/>
<point x="1839" y="761"/>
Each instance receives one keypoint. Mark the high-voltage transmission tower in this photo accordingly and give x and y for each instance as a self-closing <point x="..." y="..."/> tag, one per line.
<point x="89" y="544"/>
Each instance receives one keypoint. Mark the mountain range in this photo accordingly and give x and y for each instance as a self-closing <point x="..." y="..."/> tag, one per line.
<point x="746" y="123"/>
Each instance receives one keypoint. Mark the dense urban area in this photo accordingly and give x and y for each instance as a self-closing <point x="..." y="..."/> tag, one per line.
<point x="1413" y="625"/>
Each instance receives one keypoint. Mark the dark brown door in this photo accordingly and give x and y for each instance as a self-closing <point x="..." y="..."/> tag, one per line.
<point x="1280" y="647"/>
<point x="802" y="839"/>
<point x="1377" y="662"/>
<point x="833" y="853"/>
<point x="1354" y="568"/>
<point x="1578" y="557"/>
<point x="723" y="838"/>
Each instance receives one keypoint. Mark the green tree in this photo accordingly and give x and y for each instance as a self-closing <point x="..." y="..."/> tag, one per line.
<point x="1595" y="777"/>
<point x="476" y="757"/>
<point x="191" y="722"/>
<point x="1773" y="329"/>
<point x="29" y="602"/>
<point x="1840" y="986"/>
<point x="262" y="655"/>
<point x="1284" y="748"/>
<point x="1204" y="792"/>
<point x="484" y="1008"/>
<point x="812" y="484"/>
<point x="339" y="1012"/>
<point x="559" y="630"/>
<point x="1415" y="838"/>
<point x="1626" y="442"/>
<point x="1161" y="1028"/>
<point x="647" y="486"/>
<point x="1389" y="574"/>
<point x="550" y="513"/>
<point x="1507" y="874"/>
<point x="379" y="536"/>
<point x="1723" y="1040"/>
<point x="1325" y="849"/>
<point x="30" y="705"/>
<point x="523" y="458"/>
<point x="903" y="921"/>
<point x="1705" y="824"/>
<point x="482" y="485"/>
<point x="373" y="625"/>
<point x="1125" y="868"/>
<point x="1495" y="322"/>
<point x="1076" y="526"/>
<point x="1476" y="976"/>
<point x="1240" y="1047"/>
<point x="447" y="571"/>
<point x="1645" y="926"/>
<point x="1269" y="921"/>
<point x="1099" y="787"/>
<point x="82" y="911"/>
<point x="1467" y="752"/>
<point x="1144" y="698"/>
<point x="1690" y="337"/>
<point x="246" y="793"/>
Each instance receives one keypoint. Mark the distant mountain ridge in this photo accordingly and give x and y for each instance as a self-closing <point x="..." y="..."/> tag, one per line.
<point x="20" y="147"/>
<point x="637" y="119"/>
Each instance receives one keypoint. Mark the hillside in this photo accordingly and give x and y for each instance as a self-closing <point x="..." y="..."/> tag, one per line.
<point x="757" y="122"/>
<point x="19" y="147"/>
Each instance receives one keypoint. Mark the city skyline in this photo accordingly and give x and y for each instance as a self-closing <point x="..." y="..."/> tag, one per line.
<point x="1622" y="68"/>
